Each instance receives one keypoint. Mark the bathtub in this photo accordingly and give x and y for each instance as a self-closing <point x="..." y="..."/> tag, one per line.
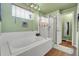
<point x="26" y="44"/>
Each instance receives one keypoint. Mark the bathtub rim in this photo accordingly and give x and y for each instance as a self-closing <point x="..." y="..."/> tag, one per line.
<point x="28" y="47"/>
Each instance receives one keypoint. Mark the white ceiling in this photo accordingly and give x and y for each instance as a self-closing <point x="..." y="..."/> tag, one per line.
<point x="49" y="7"/>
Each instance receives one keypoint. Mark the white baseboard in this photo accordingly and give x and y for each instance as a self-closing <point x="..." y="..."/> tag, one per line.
<point x="64" y="49"/>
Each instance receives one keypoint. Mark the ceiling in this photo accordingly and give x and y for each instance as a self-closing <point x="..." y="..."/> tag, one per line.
<point x="50" y="7"/>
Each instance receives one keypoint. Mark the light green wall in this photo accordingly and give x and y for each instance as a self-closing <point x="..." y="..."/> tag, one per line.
<point x="78" y="42"/>
<point x="8" y="21"/>
<point x="0" y="26"/>
<point x="78" y="38"/>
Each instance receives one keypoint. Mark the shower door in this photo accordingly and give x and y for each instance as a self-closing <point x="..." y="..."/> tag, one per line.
<point x="52" y="29"/>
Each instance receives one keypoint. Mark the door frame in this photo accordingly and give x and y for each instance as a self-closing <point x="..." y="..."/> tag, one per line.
<point x="72" y="25"/>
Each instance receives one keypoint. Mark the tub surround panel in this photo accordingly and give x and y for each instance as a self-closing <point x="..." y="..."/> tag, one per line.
<point x="17" y="44"/>
<point x="38" y="49"/>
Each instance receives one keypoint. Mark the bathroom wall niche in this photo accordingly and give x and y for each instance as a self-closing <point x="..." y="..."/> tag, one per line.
<point x="78" y="17"/>
<point x="78" y="23"/>
<point x="24" y="24"/>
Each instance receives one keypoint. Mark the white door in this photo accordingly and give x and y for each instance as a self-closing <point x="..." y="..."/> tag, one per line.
<point x="50" y="28"/>
<point x="55" y="29"/>
<point x="59" y="29"/>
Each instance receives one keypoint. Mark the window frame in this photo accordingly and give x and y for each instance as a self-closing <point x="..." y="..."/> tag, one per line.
<point x="24" y="16"/>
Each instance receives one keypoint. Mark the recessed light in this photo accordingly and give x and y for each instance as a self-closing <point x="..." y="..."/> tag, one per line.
<point x="36" y="7"/>
<point x="32" y="5"/>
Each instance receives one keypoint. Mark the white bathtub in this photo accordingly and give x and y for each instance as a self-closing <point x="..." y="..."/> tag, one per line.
<point x="27" y="44"/>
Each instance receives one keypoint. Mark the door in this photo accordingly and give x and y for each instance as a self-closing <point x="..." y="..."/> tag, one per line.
<point x="55" y="29"/>
<point x="52" y="29"/>
<point x="59" y="29"/>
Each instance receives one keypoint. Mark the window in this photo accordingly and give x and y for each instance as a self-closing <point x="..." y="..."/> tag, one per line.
<point x="13" y="10"/>
<point x="21" y="13"/>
